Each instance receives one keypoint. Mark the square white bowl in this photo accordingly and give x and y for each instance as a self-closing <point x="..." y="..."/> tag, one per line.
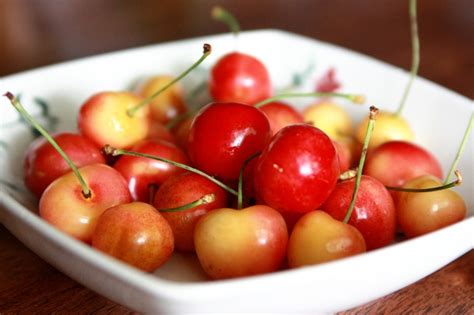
<point x="437" y="115"/>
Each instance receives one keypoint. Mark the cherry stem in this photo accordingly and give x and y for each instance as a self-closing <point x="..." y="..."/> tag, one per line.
<point x="204" y="200"/>
<point x="109" y="150"/>
<point x="457" y="182"/>
<point x="355" y="98"/>
<point x="415" y="44"/>
<point x="461" y="149"/>
<point x="220" y="14"/>
<point x="370" y="127"/>
<point x="241" y="179"/>
<point x="206" y="52"/>
<point x="86" y="191"/>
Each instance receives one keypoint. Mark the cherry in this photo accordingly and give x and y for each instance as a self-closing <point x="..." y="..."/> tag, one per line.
<point x="75" y="200"/>
<point x="159" y="131"/>
<point x="330" y="118"/>
<point x="223" y="135"/>
<point x="297" y="170"/>
<point x="410" y="159"/>
<point x="135" y="233"/>
<point x="419" y="213"/>
<point x="318" y="238"/>
<point x="43" y="164"/>
<point x="238" y="77"/>
<point x="234" y="243"/>
<point x="280" y="115"/>
<point x="141" y="172"/>
<point x="169" y="103"/>
<point x="182" y="189"/>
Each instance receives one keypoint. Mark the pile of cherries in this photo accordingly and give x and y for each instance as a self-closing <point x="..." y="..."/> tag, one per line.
<point x="248" y="183"/>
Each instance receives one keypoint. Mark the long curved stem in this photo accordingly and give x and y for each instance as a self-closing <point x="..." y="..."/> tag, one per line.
<point x="355" y="98"/>
<point x="415" y="44"/>
<point x="460" y="150"/>
<point x="222" y="15"/>
<point x="454" y="183"/>
<point x="206" y="52"/>
<point x="116" y="152"/>
<point x="86" y="191"/>
<point x="370" y="127"/>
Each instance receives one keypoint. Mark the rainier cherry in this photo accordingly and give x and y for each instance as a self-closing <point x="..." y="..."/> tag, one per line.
<point x="43" y="164"/>
<point x="135" y="233"/>
<point x="233" y="243"/>
<point x="74" y="201"/>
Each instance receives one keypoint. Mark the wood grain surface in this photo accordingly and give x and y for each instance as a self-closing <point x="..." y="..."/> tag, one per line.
<point x="40" y="32"/>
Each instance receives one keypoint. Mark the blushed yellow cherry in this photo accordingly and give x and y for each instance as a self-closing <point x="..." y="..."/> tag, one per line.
<point x="330" y="118"/>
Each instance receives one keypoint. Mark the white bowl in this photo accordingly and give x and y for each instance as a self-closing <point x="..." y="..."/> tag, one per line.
<point x="437" y="115"/>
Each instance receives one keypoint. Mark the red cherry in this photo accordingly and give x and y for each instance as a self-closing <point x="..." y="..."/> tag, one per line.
<point x="43" y="164"/>
<point x="224" y="135"/>
<point x="241" y="78"/>
<point x="281" y="115"/>
<point x="374" y="212"/>
<point x="183" y="189"/>
<point x="297" y="170"/>
<point x="410" y="160"/>
<point x="140" y="172"/>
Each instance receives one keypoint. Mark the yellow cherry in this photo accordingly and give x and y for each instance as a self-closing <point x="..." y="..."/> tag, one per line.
<point x="169" y="103"/>
<point x="390" y="126"/>
<point x="330" y="118"/>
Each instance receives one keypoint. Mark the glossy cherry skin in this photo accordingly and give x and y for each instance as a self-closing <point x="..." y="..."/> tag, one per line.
<point x="280" y="115"/>
<point x="224" y="135"/>
<point x="140" y="172"/>
<point x="374" y="212"/>
<point x="183" y="189"/>
<point x="234" y="243"/>
<point x="421" y="213"/>
<point x="297" y="170"/>
<point x="318" y="238"/>
<point x="240" y="78"/>
<point x="103" y="118"/>
<point x="135" y="233"/>
<point x="409" y="161"/>
<point x="43" y="164"/>
<point x="64" y="206"/>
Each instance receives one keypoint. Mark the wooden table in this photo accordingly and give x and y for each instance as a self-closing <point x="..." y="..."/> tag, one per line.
<point x="40" y="32"/>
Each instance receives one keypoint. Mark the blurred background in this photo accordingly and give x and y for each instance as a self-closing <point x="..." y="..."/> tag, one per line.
<point x="40" y="32"/>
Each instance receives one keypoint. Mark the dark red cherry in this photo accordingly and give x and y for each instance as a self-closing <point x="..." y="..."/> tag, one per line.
<point x="224" y="135"/>
<point x="241" y="78"/>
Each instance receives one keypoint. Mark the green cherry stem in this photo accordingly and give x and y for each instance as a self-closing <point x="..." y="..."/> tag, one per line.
<point x="461" y="149"/>
<point x="355" y="98"/>
<point x="109" y="150"/>
<point x="241" y="179"/>
<point x="456" y="182"/>
<point x="86" y="191"/>
<point x="220" y="14"/>
<point x="206" y="52"/>
<point x="370" y="127"/>
<point x="204" y="200"/>
<point x="415" y="44"/>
